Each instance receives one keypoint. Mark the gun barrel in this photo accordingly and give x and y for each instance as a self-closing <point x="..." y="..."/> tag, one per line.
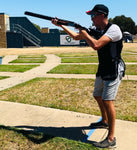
<point x="60" y="21"/>
<point x="38" y="15"/>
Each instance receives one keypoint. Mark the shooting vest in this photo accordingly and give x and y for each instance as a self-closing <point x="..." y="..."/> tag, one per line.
<point x="109" y="56"/>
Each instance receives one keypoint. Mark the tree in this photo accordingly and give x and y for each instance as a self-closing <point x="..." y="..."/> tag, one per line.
<point x="136" y="29"/>
<point x="37" y="26"/>
<point x="125" y="23"/>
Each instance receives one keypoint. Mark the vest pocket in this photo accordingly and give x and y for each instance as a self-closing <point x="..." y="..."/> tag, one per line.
<point x="112" y="72"/>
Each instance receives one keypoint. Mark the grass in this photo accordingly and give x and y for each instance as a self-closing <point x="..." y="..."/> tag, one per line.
<point x="16" y="68"/>
<point x="83" y="54"/>
<point x="74" y="69"/>
<point x="130" y="58"/>
<point x="92" y="59"/>
<point x="30" y="59"/>
<point x="31" y="56"/>
<point x="68" y="94"/>
<point x="130" y="48"/>
<point x="12" y="138"/>
<point x="87" y="69"/>
<point x="79" y="57"/>
<point x="3" y="77"/>
<point x="89" y="58"/>
<point x="131" y="69"/>
<point x="72" y="94"/>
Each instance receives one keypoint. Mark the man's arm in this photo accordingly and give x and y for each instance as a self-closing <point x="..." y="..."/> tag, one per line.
<point x="74" y="35"/>
<point x="95" y="44"/>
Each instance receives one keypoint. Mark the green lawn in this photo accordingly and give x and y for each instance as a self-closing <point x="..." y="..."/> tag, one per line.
<point x="80" y="60"/>
<point x="74" y="69"/>
<point x="16" y="68"/>
<point x="3" y="77"/>
<point x="31" y="56"/>
<point x="86" y="69"/>
<point x="30" y="59"/>
<point x="94" y="53"/>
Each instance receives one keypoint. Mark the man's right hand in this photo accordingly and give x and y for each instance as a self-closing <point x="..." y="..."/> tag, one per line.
<point x="55" y="22"/>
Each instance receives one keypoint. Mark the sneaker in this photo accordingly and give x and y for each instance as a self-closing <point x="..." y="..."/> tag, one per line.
<point x="106" y="144"/>
<point x="99" y="125"/>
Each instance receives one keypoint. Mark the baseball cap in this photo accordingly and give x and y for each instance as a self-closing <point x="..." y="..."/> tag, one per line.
<point x="98" y="8"/>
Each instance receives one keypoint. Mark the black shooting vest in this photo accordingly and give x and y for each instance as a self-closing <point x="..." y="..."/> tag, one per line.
<point x="109" y="56"/>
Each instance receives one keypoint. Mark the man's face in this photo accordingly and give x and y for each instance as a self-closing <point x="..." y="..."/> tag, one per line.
<point x="97" y="18"/>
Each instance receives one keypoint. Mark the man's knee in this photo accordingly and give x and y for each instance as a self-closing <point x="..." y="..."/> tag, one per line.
<point x="98" y="98"/>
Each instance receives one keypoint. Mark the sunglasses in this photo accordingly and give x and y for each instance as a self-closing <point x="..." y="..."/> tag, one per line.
<point x="93" y="15"/>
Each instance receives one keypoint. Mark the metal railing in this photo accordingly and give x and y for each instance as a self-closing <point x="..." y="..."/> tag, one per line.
<point x="29" y="36"/>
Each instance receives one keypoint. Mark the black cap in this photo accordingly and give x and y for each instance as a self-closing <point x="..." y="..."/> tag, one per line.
<point x="100" y="8"/>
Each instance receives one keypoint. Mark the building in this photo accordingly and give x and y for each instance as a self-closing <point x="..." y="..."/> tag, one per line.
<point x="19" y="32"/>
<point x="4" y="27"/>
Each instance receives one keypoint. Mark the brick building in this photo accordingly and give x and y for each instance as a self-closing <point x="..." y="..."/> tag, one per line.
<point x="4" y="27"/>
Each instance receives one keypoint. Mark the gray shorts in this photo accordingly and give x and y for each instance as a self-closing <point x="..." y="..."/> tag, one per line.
<point x="106" y="89"/>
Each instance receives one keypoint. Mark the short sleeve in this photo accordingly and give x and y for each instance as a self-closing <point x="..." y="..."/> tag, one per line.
<point x="114" y="33"/>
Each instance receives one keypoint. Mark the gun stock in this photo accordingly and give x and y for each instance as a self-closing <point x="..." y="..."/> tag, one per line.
<point x="60" y="21"/>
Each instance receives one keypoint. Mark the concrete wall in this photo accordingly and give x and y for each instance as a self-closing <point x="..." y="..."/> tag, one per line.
<point x="14" y="40"/>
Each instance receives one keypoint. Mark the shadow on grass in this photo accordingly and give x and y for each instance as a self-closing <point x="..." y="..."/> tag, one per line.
<point x="41" y="134"/>
<point x="35" y="137"/>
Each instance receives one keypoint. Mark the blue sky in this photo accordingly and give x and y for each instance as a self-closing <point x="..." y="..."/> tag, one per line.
<point x="73" y="10"/>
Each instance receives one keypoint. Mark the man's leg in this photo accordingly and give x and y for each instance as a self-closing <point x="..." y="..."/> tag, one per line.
<point x="111" y="114"/>
<point x="102" y="108"/>
<point x="110" y="89"/>
<point x="110" y="141"/>
<point x="109" y="94"/>
<point x="98" y="89"/>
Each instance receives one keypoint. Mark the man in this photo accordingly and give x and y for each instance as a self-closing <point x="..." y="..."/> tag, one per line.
<point x="107" y="42"/>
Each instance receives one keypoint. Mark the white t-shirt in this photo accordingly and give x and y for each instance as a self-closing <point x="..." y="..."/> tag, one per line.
<point x="114" y="33"/>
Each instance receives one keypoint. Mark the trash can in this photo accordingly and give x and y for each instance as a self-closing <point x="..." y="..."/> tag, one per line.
<point x="0" y="60"/>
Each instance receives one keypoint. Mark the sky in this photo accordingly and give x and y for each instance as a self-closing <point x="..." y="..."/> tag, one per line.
<point x="73" y="10"/>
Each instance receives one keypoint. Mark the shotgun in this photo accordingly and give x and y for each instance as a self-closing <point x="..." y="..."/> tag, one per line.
<point x="60" y="21"/>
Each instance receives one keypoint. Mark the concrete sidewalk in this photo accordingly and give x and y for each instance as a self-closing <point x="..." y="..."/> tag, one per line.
<point x="56" y="122"/>
<point x="67" y="124"/>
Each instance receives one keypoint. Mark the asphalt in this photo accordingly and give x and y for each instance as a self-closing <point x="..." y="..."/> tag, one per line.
<point x="71" y="125"/>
